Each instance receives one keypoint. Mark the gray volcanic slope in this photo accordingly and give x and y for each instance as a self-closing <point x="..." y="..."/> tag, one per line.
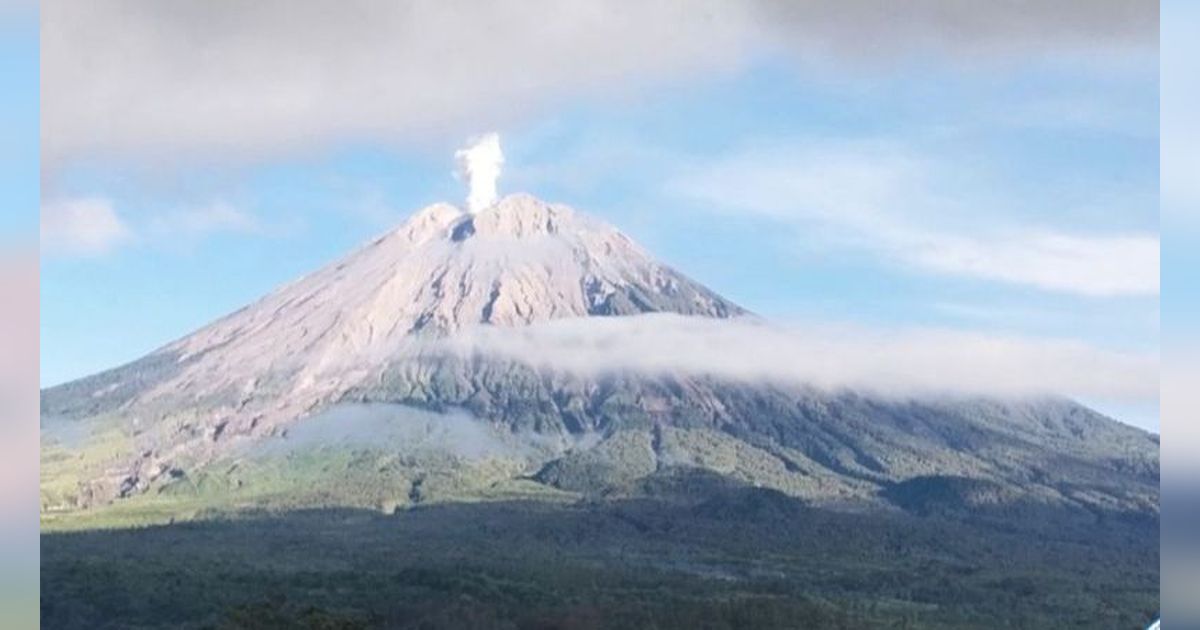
<point x="340" y="366"/>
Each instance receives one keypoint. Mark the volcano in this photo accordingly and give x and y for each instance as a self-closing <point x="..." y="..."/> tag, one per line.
<point x="332" y="391"/>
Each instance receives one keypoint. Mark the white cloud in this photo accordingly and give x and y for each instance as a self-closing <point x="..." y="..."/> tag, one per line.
<point x="1101" y="266"/>
<point x="917" y="212"/>
<point x="873" y="32"/>
<point x="894" y="362"/>
<point x="236" y="79"/>
<point x="91" y="226"/>
<point x="85" y="226"/>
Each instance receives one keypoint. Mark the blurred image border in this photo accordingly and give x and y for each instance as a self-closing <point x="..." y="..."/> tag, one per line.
<point x="19" y="322"/>
<point x="1180" y="310"/>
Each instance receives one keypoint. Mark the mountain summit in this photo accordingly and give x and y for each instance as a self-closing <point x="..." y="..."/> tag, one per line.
<point x="332" y="391"/>
<point x="514" y="263"/>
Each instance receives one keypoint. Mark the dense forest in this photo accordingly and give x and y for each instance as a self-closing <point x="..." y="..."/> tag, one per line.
<point x="743" y="558"/>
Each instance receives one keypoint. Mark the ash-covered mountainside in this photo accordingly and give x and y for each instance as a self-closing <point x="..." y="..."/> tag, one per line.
<point x="204" y="416"/>
<point x="517" y="262"/>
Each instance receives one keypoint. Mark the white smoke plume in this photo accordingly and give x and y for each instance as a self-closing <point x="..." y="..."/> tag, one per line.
<point x="479" y="164"/>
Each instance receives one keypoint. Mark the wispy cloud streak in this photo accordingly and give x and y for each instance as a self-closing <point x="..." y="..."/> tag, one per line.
<point x="897" y="204"/>
<point x="895" y="362"/>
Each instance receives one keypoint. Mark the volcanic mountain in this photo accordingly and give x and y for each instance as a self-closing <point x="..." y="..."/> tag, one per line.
<point x="338" y="390"/>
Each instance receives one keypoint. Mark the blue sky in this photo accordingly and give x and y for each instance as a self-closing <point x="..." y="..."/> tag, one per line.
<point x="18" y="122"/>
<point x="1011" y="192"/>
